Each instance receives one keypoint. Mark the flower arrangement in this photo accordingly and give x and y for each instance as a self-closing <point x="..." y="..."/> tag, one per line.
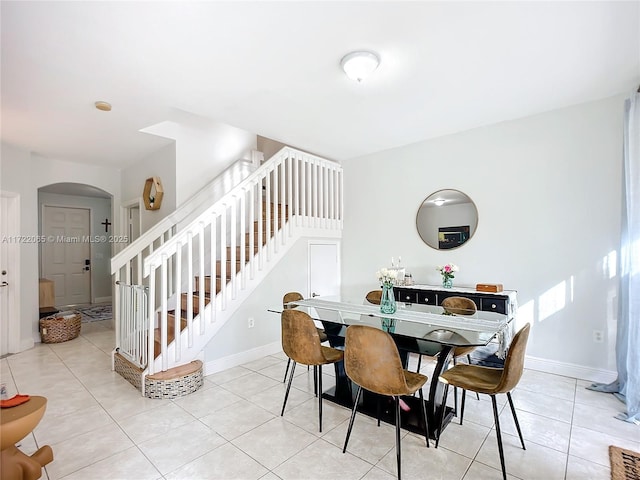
<point x="447" y="271"/>
<point x="387" y="277"/>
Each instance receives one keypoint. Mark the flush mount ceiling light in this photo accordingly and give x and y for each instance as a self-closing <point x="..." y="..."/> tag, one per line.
<point x="104" y="106"/>
<point x="359" y="65"/>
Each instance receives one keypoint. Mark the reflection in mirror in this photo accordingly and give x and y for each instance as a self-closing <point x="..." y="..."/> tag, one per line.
<point x="446" y="219"/>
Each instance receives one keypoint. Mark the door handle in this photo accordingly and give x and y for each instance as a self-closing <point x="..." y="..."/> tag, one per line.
<point x="4" y="284"/>
<point x="314" y="295"/>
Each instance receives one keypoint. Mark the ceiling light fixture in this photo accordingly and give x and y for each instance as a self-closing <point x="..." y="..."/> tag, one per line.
<point x="359" y="65"/>
<point x="104" y="106"/>
<point x="439" y="202"/>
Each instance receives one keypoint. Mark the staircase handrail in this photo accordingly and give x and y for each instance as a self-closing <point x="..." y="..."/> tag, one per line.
<point x="187" y="209"/>
<point x="155" y="257"/>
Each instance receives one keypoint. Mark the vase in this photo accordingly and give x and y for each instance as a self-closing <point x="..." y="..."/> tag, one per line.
<point x="387" y="301"/>
<point x="388" y="325"/>
<point x="447" y="282"/>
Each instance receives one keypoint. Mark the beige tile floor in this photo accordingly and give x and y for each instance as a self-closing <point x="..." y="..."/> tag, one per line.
<point x="101" y="428"/>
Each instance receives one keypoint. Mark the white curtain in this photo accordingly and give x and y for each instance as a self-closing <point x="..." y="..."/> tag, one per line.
<point x="627" y="385"/>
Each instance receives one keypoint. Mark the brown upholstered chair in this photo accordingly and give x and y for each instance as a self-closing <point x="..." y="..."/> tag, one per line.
<point x="372" y="362"/>
<point x="292" y="297"/>
<point x="491" y="381"/>
<point x="460" y="306"/>
<point x="457" y="306"/>
<point x="374" y="297"/>
<point x="301" y="343"/>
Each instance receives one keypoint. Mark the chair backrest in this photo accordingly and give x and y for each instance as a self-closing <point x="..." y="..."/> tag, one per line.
<point x="291" y="297"/>
<point x="374" y="296"/>
<point x="459" y="305"/>
<point x="371" y="360"/>
<point x="514" y="363"/>
<point x="300" y="338"/>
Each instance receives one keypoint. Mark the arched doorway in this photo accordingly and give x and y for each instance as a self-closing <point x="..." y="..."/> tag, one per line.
<point x="76" y="222"/>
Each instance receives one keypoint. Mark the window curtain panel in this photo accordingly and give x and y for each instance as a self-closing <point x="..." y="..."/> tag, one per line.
<point x="627" y="385"/>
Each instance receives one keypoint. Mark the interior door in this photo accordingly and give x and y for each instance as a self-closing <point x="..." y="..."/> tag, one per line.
<point x="66" y="258"/>
<point x="324" y="269"/>
<point x="133" y="222"/>
<point x="9" y="294"/>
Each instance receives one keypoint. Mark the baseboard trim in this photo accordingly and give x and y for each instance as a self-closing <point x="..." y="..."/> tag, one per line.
<point x="569" y="370"/>
<point x="103" y="299"/>
<point x="241" y="358"/>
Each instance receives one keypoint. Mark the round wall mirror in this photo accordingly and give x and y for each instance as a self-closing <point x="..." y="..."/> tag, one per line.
<point x="446" y="219"/>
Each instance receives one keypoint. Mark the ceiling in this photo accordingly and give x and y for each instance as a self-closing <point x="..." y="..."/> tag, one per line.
<point x="272" y="68"/>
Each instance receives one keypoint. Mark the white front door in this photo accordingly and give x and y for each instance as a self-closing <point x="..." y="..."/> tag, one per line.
<point x="9" y="275"/>
<point x="66" y="258"/>
<point x="324" y="269"/>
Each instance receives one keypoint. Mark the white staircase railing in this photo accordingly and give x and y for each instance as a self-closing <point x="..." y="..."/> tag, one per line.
<point x="229" y="249"/>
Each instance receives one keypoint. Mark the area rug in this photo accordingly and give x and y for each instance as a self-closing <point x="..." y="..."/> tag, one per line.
<point x="625" y="464"/>
<point x="95" y="313"/>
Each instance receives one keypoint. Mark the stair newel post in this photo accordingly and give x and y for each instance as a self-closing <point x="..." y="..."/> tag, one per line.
<point x="233" y="239"/>
<point x="223" y="260"/>
<point x="163" y="313"/>
<point x="251" y="221"/>
<point x="190" y="280"/>
<point x="243" y="238"/>
<point x="177" y="324"/>
<point x="201" y="287"/>
<point x="151" y="321"/>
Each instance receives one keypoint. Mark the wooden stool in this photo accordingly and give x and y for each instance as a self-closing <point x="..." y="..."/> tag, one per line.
<point x="15" y="424"/>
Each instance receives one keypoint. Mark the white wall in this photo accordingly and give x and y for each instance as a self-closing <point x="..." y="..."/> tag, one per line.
<point x="290" y="274"/>
<point x="23" y="173"/>
<point x="204" y="149"/>
<point x="162" y="164"/>
<point x="547" y="190"/>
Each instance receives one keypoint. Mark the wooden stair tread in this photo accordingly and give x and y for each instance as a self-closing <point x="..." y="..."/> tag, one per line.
<point x="177" y="372"/>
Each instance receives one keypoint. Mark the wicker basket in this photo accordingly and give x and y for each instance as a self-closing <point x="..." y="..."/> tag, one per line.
<point x="60" y="327"/>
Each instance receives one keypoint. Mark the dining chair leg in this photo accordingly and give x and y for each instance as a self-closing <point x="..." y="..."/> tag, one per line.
<point x="286" y="371"/>
<point x="315" y="380"/>
<point x="443" y="408"/>
<point x="455" y="394"/>
<point x="515" y="419"/>
<point x="424" y="414"/>
<point x="499" y="435"/>
<point x="318" y="371"/>
<point x="469" y="361"/>
<point x="398" y="445"/>
<point x="464" y="398"/>
<point x="286" y="395"/>
<point x="419" y="362"/>
<point x="378" y="408"/>
<point x="353" y="417"/>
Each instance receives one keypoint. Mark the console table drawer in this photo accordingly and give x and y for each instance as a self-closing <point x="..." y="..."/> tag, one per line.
<point x="498" y="305"/>
<point x="405" y="295"/>
<point x="427" y="298"/>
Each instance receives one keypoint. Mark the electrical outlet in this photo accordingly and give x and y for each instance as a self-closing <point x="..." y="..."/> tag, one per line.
<point x="598" y="336"/>
<point x="251" y="323"/>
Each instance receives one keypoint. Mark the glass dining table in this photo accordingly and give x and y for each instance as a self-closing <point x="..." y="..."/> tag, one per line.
<point x="415" y="328"/>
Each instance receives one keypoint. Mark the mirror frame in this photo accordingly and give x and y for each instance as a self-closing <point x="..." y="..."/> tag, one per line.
<point x="461" y="220"/>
